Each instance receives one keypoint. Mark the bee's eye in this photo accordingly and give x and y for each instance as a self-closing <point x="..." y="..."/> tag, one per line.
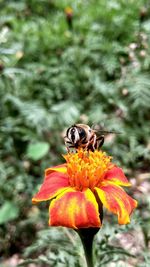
<point x="81" y="132"/>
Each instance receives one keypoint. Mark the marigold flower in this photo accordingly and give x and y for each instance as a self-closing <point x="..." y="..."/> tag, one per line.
<point x="79" y="188"/>
<point x="69" y="11"/>
<point x="69" y="16"/>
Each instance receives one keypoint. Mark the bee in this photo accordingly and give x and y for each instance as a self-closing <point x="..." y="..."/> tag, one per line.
<point x="83" y="136"/>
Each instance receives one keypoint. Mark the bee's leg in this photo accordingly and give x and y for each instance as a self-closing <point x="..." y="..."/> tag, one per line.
<point x="68" y="142"/>
<point x="94" y="142"/>
<point x="68" y="148"/>
<point x="100" y="141"/>
<point x="91" y="143"/>
<point x="68" y="145"/>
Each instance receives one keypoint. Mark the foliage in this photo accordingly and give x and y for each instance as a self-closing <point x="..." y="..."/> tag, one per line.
<point x="52" y="77"/>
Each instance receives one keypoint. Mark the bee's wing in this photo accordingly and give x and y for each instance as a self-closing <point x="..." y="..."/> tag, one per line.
<point x="103" y="132"/>
<point x="99" y="129"/>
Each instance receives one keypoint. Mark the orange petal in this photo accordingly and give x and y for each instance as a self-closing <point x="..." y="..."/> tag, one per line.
<point x="115" y="199"/>
<point x="75" y="209"/>
<point x="116" y="176"/>
<point x="54" y="183"/>
<point x="59" y="168"/>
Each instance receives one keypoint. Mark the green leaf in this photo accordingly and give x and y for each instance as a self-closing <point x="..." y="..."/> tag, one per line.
<point x="37" y="150"/>
<point x="9" y="211"/>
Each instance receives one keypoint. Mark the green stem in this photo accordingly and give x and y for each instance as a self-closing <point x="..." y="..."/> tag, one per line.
<point x="87" y="237"/>
<point x="88" y="245"/>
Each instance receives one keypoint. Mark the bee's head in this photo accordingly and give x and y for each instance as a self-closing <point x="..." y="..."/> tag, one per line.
<point x="76" y="133"/>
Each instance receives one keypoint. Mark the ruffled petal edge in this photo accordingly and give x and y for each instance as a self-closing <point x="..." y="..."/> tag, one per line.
<point x="116" y="200"/>
<point x="116" y="176"/>
<point x="59" y="168"/>
<point x="54" y="184"/>
<point x="75" y="209"/>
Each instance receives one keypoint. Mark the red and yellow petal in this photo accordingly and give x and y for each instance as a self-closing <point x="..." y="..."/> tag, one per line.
<point x="75" y="209"/>
<point x="54" y="184"/>
<point x="116" y="200"/>
<point x="59" y="168"/>
<point x="116" y="176"/>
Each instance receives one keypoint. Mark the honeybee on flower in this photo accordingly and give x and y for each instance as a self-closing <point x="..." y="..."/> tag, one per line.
<point x="83" y="136"/>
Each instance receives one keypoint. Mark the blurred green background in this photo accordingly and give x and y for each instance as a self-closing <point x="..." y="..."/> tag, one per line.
<point x="53" y="73"/>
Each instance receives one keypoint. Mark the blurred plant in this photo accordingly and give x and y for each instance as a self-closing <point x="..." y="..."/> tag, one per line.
<point x="50" y="79"/>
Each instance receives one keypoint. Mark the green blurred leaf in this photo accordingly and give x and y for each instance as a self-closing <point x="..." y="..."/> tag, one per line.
<point x="8" y="212"/>
<point x="37" y="150"/>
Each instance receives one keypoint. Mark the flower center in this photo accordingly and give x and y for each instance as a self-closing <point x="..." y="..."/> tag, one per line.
<point x="86" y="169"/>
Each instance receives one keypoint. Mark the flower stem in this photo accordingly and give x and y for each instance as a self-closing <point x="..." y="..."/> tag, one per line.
<point x="87" y="237"/>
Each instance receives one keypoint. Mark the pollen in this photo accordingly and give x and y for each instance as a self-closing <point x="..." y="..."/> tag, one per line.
<point x="86" y="169"/>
